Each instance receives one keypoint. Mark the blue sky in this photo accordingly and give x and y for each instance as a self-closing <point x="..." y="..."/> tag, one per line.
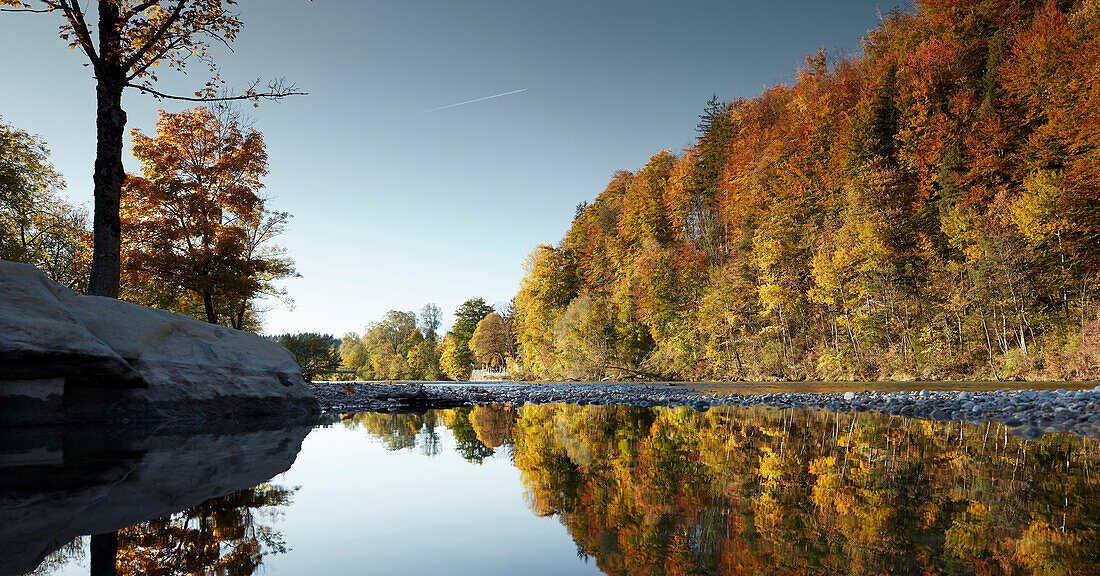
<point x="394" y="206"/>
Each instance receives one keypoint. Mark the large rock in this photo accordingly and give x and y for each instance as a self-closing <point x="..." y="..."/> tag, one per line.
<point x="66" y="357"/>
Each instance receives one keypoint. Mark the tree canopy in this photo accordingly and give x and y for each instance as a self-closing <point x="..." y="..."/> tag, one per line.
<point x="490" y="340"/>
<point x="397" y="347"/>
<point x="36" y="225"/>
<point x="315" y="353"/>
<point x="196" y="227"/>
<point x="466" y="318"/>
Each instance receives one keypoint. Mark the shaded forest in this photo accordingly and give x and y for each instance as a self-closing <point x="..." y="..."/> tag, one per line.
<point x="925" y="209"/>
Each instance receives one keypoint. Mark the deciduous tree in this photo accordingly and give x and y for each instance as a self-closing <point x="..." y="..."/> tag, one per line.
<point x="36" y="225"/>
<point x="197" y="228"/>
<point x="125" y="42"/>
<point x="452" y="361"/>
<point x="315" y="353"/>
<point x="489" y="342"/>
<point x="430" y="319"/>
<point x="927" y="209"/>
<point x="466" y="318"/>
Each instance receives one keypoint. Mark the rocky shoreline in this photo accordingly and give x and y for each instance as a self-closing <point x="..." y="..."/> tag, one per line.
<point x="1027" y="413"/>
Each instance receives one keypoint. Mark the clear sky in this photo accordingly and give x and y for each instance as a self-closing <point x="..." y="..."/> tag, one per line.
<point x="397" y="202"/>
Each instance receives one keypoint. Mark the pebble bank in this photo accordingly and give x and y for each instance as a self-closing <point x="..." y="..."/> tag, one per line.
<point x="1027" y="413"/>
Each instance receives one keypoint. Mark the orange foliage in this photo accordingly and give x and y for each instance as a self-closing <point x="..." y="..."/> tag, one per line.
<point x="948" y="178"/>
<point x="195" y="224"/>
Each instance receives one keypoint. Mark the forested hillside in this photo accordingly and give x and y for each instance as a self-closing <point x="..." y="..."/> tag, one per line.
<point x="927" y="209"/>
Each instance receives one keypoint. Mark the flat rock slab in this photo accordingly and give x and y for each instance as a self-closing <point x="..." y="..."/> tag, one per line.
<point x="71" y="358"/>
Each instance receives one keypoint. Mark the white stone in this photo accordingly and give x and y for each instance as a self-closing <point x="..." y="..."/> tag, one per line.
<point x="121" y="361"/>
<point x="849" y="396"/>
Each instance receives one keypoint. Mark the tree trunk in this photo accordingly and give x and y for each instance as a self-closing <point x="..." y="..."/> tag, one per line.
<point x="208" y="305"/>
<point x="109" y="173"/>
<point x="104" y="553"/>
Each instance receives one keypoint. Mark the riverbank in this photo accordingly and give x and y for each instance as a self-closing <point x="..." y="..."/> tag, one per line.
<point x="1027" y="413"/>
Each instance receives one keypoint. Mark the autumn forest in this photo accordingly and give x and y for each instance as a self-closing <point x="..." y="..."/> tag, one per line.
<point x="926" y="209"/>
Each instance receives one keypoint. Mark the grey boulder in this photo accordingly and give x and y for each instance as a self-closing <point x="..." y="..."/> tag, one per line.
<point x="71" y="358"/>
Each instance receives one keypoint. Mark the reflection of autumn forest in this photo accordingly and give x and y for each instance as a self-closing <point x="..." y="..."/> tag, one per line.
<point x="928" y="208"/>
<point x="224" y="536"/>
<point x="757" y="491"/>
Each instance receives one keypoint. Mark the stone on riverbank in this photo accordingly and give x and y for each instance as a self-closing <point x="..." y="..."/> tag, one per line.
<point x="71" y="358"/>
<point x="1028" y="413"/>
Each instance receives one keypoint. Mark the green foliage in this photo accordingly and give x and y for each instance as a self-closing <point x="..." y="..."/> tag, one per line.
<point x="466" y="320"/>
<point x="582" y="346"/>
<point x="407" y="346"/>
<point x="316" y="354"/>
<point x="453" y="363"/>
<point x="389" y="342"/>
<point x="36" y="226"/>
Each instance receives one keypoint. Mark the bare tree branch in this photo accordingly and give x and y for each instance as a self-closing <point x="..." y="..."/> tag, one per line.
<point x="276" y="91"/>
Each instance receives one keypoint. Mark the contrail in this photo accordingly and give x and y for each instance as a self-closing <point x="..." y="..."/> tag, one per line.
<point x="475" y="100"/>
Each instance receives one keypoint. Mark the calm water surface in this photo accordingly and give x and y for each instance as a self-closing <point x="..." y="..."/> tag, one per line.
<point x="562" y="489"/>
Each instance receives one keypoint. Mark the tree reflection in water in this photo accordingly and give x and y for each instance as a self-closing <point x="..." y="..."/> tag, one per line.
<point x="478" y="431"/>
<point x="729" y="491"/>
<point x="224" y="536"/>
<point x="757" y="491"/>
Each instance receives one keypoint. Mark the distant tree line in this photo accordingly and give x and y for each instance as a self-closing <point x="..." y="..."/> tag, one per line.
<point x="927" y="209"/>
<point x="408" y="346"/>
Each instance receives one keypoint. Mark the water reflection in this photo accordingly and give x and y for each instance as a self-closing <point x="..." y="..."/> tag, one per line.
<point x="58" y="484"/>
<point x="674" y="491"/>
<point x="756" y="491"/>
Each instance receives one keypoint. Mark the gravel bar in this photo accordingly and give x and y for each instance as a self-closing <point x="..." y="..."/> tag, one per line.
<point x="1027" y="413"/>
